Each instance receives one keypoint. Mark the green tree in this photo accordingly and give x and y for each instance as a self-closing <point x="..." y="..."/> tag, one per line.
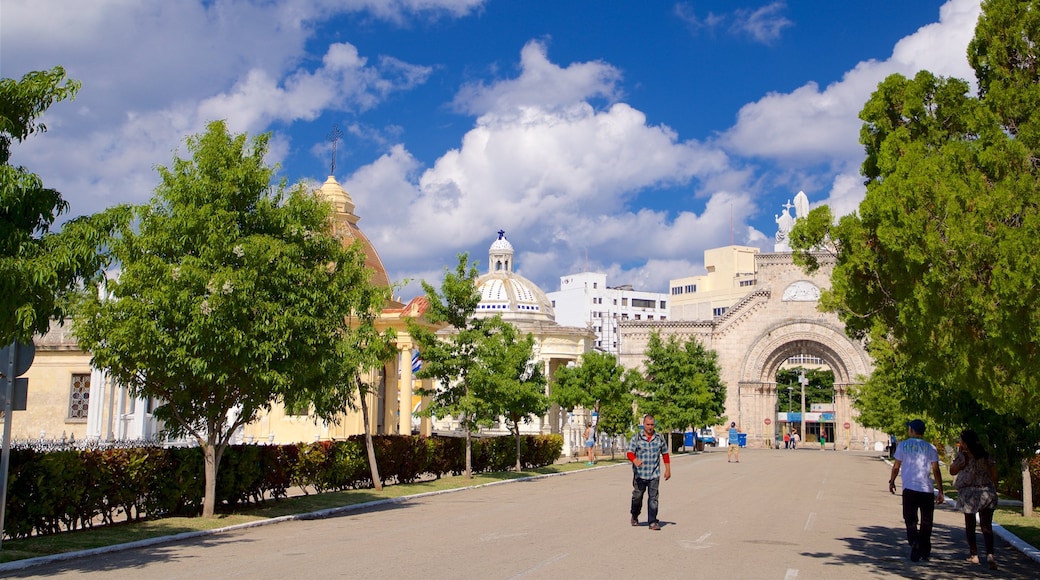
<point x="508" y="378"/>
<point x="938" y="267"/>
<point x="233" y="295"/>
<point x="39" y="269"/>
<point x="601" y="384"/>
<point x="452" y="360"/>
<point x="820" y="388"/>
<point x="684" y="385"/>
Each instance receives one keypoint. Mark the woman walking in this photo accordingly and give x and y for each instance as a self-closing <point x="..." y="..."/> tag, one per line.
<point x="976" y="483"/>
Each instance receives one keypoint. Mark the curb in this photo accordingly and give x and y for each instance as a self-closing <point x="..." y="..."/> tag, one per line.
<point x="321" y="514"/>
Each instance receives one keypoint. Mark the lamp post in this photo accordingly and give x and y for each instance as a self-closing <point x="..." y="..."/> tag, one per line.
<point x="803" y="381"/>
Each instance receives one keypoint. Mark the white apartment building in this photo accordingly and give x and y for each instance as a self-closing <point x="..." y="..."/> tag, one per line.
<point x="585" y="300"/>
<point x="730" y="277"/>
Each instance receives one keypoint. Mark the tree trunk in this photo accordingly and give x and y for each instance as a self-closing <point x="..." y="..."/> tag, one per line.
<point x="469" y="455"/>
<point x="376" y="481"/>
<point x="518" y="448"/>
<point x="209" y="500"/>
<point x="1027" y="490"/>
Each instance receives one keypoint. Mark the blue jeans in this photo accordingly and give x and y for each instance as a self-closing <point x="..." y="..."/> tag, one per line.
<point x="640" y="486"/>
<point x="923" y="501"/>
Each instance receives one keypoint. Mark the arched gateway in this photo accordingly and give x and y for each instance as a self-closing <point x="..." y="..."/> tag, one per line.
<point x="774" y="322"/>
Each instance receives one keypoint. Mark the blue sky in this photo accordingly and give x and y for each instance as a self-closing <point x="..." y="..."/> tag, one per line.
<point x="622" y="137"/>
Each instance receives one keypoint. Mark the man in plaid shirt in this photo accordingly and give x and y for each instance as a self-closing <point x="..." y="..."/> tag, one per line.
<point x="645" y="451"/>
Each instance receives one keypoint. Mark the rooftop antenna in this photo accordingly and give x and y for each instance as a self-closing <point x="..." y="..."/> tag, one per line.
<point x="333" y="137"/>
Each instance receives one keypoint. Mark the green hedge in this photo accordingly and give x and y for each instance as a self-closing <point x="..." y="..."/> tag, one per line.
<point x="54" y="491"/>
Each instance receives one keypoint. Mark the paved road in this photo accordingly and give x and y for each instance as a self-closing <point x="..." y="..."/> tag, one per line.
<point x="776" y="514"/>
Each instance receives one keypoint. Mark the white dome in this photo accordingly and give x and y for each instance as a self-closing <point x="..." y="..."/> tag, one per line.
<point x="509" y="294"/>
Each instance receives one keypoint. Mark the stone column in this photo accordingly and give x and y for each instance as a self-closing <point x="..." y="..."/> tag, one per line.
<point x="405" y="390"/>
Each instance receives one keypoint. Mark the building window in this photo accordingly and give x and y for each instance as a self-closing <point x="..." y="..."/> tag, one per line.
<point x="650" y="317"/>
<point x="639" y="316"/>
<point x="747" y="282"/>
<point x="615" y="302"/>
<point x="663" y="318"/>
<point x="663" y="305"/>
<point x="691" y="288"/>
<point x="595" y="284"/>
<point x="554" y="304"/>
<point x="643" y="303"/>
<point x="624" y="316"/>
<point x="676" y="290"/>
<point x="624" y="301"/>
<point x="79" y="398"/>
<point x="716" y="312"/>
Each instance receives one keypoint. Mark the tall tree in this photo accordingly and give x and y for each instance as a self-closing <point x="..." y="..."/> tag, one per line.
<point x="684" y="384"/>
<point x="820" y="387"/>
<point x="233" y="295"/>
<point x="451" y="361"/>
<point x="508" y="377"/>
<point x="40" y="269"/>
<point x="600" y="383"/>
<point x="938" y="266"/>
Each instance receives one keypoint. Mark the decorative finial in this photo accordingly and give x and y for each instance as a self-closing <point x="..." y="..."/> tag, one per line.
<point x="501" y="234"/>
<point x="333" y="137"/>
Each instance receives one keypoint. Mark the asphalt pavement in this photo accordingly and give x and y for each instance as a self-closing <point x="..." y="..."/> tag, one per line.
<point x="785" y="514"/>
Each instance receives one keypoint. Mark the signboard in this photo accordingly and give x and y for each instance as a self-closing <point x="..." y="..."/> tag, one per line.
<point x="847" y="425"/>
<point x="768" y="420"/>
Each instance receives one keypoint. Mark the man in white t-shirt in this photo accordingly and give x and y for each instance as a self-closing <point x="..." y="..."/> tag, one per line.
<point x="917" y="457"/>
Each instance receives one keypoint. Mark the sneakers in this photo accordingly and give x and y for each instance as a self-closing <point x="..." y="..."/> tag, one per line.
<point x="655" y="526"/>
<point x="635" y="522"/>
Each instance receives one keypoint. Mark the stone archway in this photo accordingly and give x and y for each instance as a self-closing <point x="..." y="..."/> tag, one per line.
<point x="757" y="389"/>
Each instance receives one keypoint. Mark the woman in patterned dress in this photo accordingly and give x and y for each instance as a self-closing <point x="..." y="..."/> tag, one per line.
<point x="976" y="483"/>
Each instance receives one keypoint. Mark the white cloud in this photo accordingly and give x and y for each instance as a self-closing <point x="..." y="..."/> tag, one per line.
<point x="541" y="84"/>
<point x="809" y="125"/>
<point x="762" y="24"/>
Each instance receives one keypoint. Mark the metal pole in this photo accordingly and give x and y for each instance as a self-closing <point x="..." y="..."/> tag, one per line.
<point x="5" y="457"/>
<point x="802" y="380"/>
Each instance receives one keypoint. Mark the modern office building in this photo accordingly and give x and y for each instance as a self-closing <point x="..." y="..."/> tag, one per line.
<point x="585" y="300"/>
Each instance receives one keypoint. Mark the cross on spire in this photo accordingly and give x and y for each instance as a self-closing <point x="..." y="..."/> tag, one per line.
<point x="333" y="137"/>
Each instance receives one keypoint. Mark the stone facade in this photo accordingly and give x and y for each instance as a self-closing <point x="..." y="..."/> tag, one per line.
<point x="778" y="319"/>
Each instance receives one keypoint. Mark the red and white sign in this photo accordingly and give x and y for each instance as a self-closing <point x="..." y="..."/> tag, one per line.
<point x="847" y="425"/>
<point x="768" y="420"/>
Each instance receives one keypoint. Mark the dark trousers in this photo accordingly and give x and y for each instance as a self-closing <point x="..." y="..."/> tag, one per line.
<point x="639" y="487"/>
<point x="986" y="523"/>
<point x="923" y="502"/>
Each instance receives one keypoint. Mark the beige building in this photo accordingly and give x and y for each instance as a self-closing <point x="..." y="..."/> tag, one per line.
<point x="730" y="276"/>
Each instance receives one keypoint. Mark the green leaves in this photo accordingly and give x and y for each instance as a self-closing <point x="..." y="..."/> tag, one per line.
<point x="683" y="384"/>
<point x="39" y="270"/>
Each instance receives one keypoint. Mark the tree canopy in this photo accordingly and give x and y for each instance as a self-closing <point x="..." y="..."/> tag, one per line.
<point x="683" y="385"/>
<point x="599" y="383"/>
<point x="233" y="294"/>
<point x="39" y="269"/>
<point x="938" y="271"/>
<point x="452" y="360"/>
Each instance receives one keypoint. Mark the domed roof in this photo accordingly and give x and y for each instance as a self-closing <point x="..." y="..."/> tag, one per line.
<point x="345" y="226"/>
<point x="508" y="294"/>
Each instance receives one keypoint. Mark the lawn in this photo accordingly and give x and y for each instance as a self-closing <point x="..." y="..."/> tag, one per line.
<point x="131" y="532"/>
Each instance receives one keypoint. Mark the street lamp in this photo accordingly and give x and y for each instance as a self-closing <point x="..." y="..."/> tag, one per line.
<point x="803" y="381"/>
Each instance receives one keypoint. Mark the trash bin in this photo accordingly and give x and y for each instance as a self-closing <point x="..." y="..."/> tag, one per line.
<point x="700" y="445"/>
<point x="742" y="439"/>
<point x="689" y="439"/>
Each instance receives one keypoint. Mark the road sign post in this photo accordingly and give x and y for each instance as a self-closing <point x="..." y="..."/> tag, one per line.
<point x="15" y="359"/>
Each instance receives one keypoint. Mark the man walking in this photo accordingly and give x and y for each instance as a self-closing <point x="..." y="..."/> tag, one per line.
<point x="645" y="451"/>
<point x="734" y="443"/>
<point x="919" y="457"/>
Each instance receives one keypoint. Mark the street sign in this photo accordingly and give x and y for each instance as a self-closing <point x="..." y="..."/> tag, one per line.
<point x="768" y="420"/>
<point x="21" y="394"/>
<point x="847" y="425"/>
<point x="23" y="357"/>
